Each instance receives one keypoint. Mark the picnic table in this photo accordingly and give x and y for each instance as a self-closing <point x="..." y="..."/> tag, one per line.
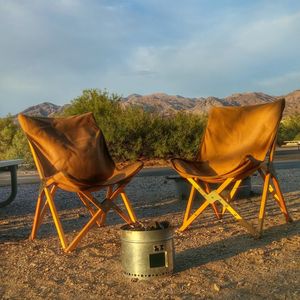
<point x="10" y="166"/>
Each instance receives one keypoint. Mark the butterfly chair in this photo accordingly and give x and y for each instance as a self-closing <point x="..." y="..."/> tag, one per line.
<point x="71" y="154"/>
<point x="237" y="142"/>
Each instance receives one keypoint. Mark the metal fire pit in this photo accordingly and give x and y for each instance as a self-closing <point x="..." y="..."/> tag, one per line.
<point x="147" y="253"/>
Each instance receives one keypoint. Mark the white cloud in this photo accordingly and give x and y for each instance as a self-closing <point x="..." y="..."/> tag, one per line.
<point x="54" y="49"/>
<point x="237" y="55"/>
<point x="268" y="34"/>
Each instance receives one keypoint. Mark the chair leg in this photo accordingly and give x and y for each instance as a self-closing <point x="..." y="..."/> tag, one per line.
<point x="109" y="204"/>
<point x="102" y="209"/>
<point x="103" y="216"/>
<point x="216" y="211"/>
<point x="280" y="199"/>
<point x="40" y="212"/>
<point x="212" y="197"/>
<point x="278" y="196"/>
<point x="129" y="207"/>
<point x="189" y="204"/>
<point x="238" y="217"/>
<point x="83" y="232"/>
<point x="120" y="212"/>
<point x="188" y="222"/>
<point x="37" y="216"/>
<point x="235" y="188"/>
<point x="231" y="194"/>
<point x="88" y="206"/>
<point x="264" y="197"/>
<point x="56" y="219"/>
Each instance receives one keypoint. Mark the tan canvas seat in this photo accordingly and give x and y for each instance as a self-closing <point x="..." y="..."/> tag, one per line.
<point x="71" y="153"/>
<point x="237" y="142"/>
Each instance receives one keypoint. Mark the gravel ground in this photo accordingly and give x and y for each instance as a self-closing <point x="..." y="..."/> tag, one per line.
<point x="215" y="259"/>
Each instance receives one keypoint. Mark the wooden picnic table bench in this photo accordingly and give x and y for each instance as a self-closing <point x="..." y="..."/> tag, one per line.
<point x="10" y="166"/>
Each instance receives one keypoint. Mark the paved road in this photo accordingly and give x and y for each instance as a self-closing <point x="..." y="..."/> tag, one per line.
<point x="287" y="164"/>
<point x="286" y="158"/>
<point x="287" y="154"/>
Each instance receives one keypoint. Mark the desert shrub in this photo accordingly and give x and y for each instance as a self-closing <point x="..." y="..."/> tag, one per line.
<point x="186" y="132"/>
<point x="105" y="107"/>
<point x="8" y="130"/>
<point x="289" y="128"/>
<point x="130" y="132"/>
<point x="133" y="133"/>
<point x="124" y="129"/>
<point x="13" y="143"/>
<point x="20" y="149"/>
<point x="297" y="137"/>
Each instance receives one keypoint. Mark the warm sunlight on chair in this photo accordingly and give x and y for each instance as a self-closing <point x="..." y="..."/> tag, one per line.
<point x="71" y="154"/>
<point x="236" y="144"/>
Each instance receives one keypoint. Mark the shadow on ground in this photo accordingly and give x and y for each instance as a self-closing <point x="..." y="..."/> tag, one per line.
<point x="232" y="246"/>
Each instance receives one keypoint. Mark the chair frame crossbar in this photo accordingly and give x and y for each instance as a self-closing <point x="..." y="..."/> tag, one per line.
<point x="98" y="210"/>
<point x="224" y="194"/>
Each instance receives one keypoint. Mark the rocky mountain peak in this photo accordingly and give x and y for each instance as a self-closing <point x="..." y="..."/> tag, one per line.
<point x="44" y="109"/>
<point x="165" y="104"/>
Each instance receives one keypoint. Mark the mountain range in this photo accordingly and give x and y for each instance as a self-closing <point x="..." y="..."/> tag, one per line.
<point x="165" y="104"/>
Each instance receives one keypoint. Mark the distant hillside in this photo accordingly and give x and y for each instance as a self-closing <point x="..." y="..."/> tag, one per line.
<point x="248" y="99"/>
<point x="165" y="104"/>
<point x="43" y="110"/>
<point x="292" y="102"/>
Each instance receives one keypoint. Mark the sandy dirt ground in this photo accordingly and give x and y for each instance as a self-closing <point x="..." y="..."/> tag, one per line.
<point x="215" y="259"/>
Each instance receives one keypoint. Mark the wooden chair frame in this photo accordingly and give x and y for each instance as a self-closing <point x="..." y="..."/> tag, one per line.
<point x="224" y="195"/>
<point x="97" y="210"/>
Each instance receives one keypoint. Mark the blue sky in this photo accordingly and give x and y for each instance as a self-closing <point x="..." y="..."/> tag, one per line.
<point x="52" y="50"/>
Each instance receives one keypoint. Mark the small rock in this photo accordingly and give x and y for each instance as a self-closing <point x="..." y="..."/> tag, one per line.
<point x="216" y="287"/>
<point x="260" y="251"/>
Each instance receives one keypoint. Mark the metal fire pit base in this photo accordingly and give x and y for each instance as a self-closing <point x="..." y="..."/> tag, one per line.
<point x="147" y="254"/>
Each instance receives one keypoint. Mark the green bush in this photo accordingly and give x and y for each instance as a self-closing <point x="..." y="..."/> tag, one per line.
<point x="297" y="137"/>
<point x="13" y="142"/>
<point x="289" y="128"/>
<point x="7" y="132"/>
<point x="130" y="132"/>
